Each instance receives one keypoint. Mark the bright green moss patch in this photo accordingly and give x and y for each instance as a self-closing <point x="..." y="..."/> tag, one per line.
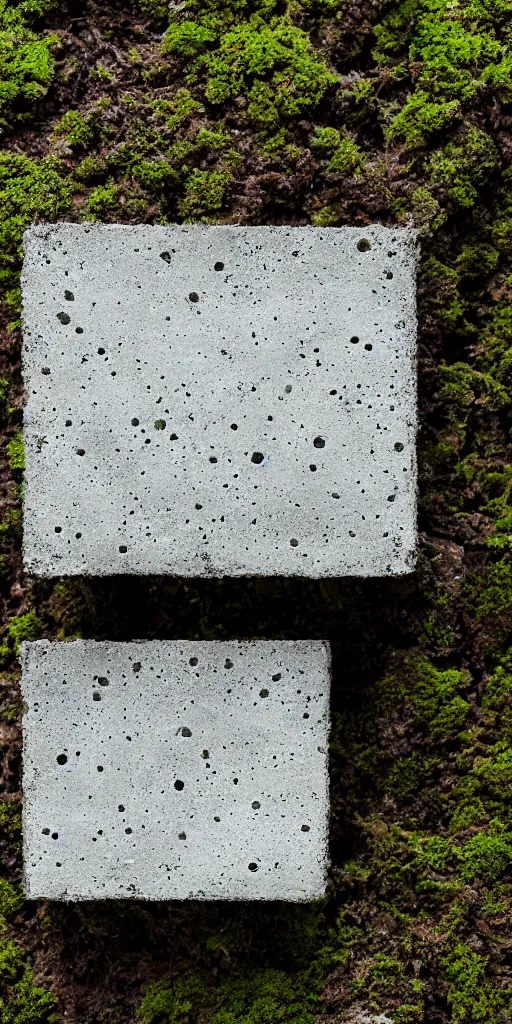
<point x="464" y="165"/>
<point x="29" y="190"/>
<point x="471" y="994"/>
<point x="438" y="701"/>
<point x="16" y="453"/>
<point x="204" y="194"/>
<point x="22" y="1002"/>
<point x="347" y="159"/>
<point x="78" y="130"/>
<point x="274" y="66"/>
<point x="271" y="63"/>
<point x="24" y="627"/>
<point x="487" y="857"/>
<point x="26" y="59"/>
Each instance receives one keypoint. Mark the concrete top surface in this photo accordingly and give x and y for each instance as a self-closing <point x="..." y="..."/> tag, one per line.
<point x="211" y="401"/>
<point x="173" y="770"/>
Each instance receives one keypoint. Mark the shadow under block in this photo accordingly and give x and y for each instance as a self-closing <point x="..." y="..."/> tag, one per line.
<point x="219" y="401"/>
<point x="173" y="770"/>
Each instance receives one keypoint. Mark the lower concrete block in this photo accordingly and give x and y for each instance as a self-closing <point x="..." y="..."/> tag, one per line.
<point x="174" y="770"/>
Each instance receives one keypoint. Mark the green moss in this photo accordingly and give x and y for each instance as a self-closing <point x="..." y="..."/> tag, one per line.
<point x="4" y="395"/>
<point x="183" y="107"/>
<point x="204" y="194"/>
<point x="263" y="997"/>
<point x="11" y="899"/>
<point x="16" y="453"/>
<point x="188" y="39"/>
<point x="172" y="1004"/>
<point x="471" y="995"/>
<point x="426" y="209"/>
<point x="104" y="201"/>
<point x="497" y="702"/>
<point x="154" y="175"/>
<point x="24" y="627"/>
<point x="78" y="130"/>
<point x="26" y="59"/>
<point x="10" y="817"/>
<point x="325" y="217"/>
<point x="91" y="169"/>
<point x="464" y="165"/>
<point x="256" y="997"/>
<point x="487" y="857"/>
<point x="326" y="139"/>
<point x="22" y="1002"/>
<point x="274" y="66"/>
<point x="420" y="117"/>
<point x="437" y="701"/>
<point x="495" y="604"/>
<point x="29" y="190"/>
<point x="347" y="159"/>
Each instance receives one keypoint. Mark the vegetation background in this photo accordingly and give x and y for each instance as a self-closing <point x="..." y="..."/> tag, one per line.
<point x="321" y="112"/>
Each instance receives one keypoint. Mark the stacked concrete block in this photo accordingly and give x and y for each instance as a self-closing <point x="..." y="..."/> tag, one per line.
<point x="172" y="770"/>
<point x="210" y="401"/>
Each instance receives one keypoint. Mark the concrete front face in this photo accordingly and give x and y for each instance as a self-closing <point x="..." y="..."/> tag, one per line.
<point x="171" y="770"/>
<point x="211" y="401"/>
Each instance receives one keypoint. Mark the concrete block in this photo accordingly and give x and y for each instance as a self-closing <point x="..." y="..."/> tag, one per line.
<point x="210" y="401"/>
<point x="174" y="770"/>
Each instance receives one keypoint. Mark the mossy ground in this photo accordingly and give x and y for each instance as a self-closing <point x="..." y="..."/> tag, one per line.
<point x="322" y="112"/>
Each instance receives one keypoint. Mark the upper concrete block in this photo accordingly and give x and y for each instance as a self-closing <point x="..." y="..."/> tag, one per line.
<point x="209" y="401"/>
<point x="169" y="770"/>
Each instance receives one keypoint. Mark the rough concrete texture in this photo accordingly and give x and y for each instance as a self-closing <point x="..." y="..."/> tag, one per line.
<point x="169" y="770"/>
<point x="209" y="401"/>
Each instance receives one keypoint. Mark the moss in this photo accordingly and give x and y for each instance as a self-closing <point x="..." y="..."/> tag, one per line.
<point x="325" y="217"/>
<point x="188" y="39"/>
<point x="263" y="997"/>
<point x="487" y="857"/>
<point x="104" y="201"/>
<point x="11" y="899"/>
<point x="154" y="174"/>
<point x="437" y="701"/>
<point x="78" y="130"/>
<point x="273" y="65"/>
<point x="495" y="604"/>
<point x="204" y="194"/>
<point x="172" y="1004"/>
<point x="257" y="997"/>
<point x="327" y="139"/>
<point x="24" y="627"/>
<point x="347" y="159"/>
<point x="22" y="1002"/>
<point x="420" y="118"/>
<point x="91" y="169"/>
<point x="16" y="453"/>
<point x="26" y="59"/>
<point x="464" y="165"/>
<point x="497" y="701"/>
<point x="29" y="190"/>
<point x="426" y="209"/>
<point x="11" y="526"/>
<point x="471" y="995"/>
<point x="183" y="107"/>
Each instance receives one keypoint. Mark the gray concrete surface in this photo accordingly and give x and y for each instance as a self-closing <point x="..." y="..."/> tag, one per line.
<point x="209" y="401"/>
<point x="169" y="770"/>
